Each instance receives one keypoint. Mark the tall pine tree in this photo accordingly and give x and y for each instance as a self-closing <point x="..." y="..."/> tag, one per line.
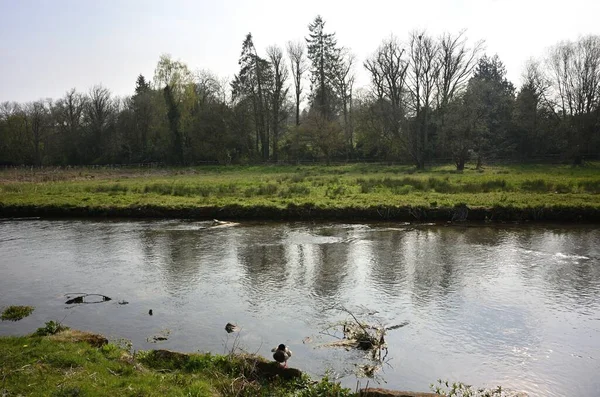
<point x="325" y="57"/>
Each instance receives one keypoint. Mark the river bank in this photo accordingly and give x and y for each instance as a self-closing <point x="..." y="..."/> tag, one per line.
<point x="77" y="363"/>
<point x="308" y="212"/>
<point x="542" y="193"/>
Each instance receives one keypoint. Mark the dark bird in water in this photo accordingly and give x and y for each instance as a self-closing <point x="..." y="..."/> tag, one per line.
<point x="231" y="328"/>
<point x="150" y="312"/>
<point x="281" y="354"/>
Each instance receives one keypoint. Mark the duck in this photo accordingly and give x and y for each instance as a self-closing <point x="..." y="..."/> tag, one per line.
<point x="281" y="354"/>
<point x="229" y="327"/>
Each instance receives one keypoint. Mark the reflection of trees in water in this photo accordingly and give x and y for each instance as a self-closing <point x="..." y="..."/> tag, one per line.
<point x="388" y="262"/>
<point x="287" y="262"/>
<point x="89" y="238"/>
<point x="262" y="260"/>
<point x="431" y="264"/>
<point x="179" y="256"/>
<point x="330" y="269"/>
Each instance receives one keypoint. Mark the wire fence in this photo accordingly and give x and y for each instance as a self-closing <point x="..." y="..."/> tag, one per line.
<point x="439" y="161"/>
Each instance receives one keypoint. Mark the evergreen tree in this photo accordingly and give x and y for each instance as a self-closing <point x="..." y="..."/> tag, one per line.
<point x="252" y="82"/>
<point x="324" y="56"/>
<point x="493" y="94"/>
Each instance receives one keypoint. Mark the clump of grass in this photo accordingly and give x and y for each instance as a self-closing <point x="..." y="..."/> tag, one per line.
<point x="186" y="190"/>
<point x="297" y="178"/>
<point x="335" y="191"/>
<point x="16" y="313"/>
<point x="403" y="190"/>
<point x="591" y="186"/>
<point x="158" y="188"/>
<point x="50" y="328"/>
<point x="563" y="188"/>
<point x="494" y="185"/>
<point x="109" y="188"/>
<point x="268" y="189"/>
<point x="295" y="190"/>
<point x="536" y="185"/>
<point x="459" y="389"/>
<point x="440" y="185"/>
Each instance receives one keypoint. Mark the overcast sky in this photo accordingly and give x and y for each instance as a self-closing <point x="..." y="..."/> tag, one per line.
<point x="47" y="47"/>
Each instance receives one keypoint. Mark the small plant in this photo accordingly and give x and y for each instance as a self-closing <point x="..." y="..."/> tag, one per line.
<point x="16" y="313"/>
<point x="324" y="388"/>
<point x="459" y="389"/>
<point x="51" y="328"/>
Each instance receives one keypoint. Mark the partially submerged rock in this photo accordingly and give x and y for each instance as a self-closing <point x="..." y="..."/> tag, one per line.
<point x="161" y="336"/>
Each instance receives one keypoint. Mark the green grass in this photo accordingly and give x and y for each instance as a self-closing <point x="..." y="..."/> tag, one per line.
<point x="58" y="366"/>
<point x="16" y="313"/>
<point x="335" y="187"/>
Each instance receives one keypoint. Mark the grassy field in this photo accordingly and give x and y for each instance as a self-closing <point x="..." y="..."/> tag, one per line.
<point x="65" y="365"/>
<point x="320" y="188"/>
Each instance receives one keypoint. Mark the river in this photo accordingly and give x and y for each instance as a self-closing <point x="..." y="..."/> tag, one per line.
<point x="517" y="306"/>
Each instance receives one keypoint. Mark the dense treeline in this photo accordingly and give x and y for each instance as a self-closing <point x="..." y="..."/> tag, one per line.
<point x="428" y="98"/>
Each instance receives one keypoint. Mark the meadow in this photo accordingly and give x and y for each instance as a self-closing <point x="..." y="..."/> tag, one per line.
<point x="344" y="189"/>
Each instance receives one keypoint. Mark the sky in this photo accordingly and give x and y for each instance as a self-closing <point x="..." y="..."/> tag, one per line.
<point x="50" y="46"/>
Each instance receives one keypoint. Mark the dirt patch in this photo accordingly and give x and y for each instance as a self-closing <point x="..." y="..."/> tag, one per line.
<point x="73" y="336"/>
<point x="270" y="369"/>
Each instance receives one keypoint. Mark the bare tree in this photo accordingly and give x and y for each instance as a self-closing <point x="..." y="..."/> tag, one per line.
<point x="457" y="61"/>
<point x="456" y="64"/>
<point x="345" y="82"/>
<point x="278" y="92"/>
<point x="68" y="114"/>
<point x="575" y="70"/>
<point x="422" y="78"/>
<point x="38" y="114"/>
<point x="98" y="115"/>
<point x="297" y="54"/>
<point x="388" y="68"/>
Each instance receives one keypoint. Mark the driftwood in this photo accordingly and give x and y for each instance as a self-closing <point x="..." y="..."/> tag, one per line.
<point x="362" y="335"/>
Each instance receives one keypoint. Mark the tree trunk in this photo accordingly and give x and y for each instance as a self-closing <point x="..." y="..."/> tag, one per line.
<point x="479" y="162"/>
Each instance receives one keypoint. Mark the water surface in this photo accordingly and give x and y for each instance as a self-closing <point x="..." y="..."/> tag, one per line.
<point x="516" y="306"/>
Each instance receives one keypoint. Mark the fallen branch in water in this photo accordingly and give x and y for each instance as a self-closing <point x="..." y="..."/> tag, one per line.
<point x="81" y="298"/>
<point x="362" y="335"/>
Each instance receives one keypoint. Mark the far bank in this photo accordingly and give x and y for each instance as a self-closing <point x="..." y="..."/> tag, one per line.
<point x="532" y="193"/>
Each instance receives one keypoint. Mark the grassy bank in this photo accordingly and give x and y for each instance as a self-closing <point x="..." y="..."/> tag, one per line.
<point x="74" y="363"/>
<point x="533" y="192"/>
